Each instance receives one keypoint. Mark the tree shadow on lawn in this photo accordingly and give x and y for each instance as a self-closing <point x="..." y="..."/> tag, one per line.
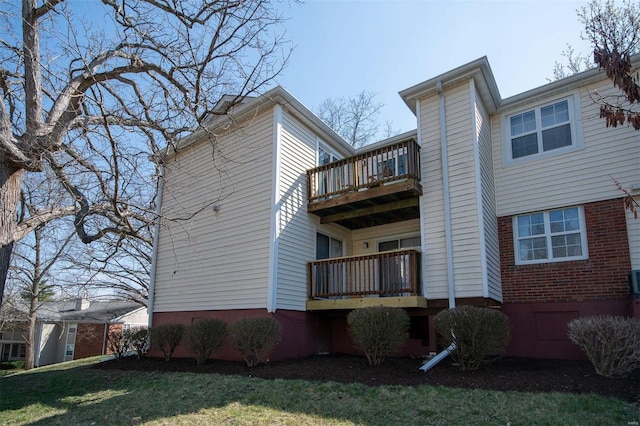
<point x="121" y="396"/>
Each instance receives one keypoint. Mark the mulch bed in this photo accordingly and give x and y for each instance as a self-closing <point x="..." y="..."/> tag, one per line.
<point x="518" y="374"/>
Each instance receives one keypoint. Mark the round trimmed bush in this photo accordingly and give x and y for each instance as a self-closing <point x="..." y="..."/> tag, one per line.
<point x="379" y="331"/>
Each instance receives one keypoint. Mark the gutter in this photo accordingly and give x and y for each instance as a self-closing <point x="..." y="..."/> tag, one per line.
<point x="447" y="224"/>
<point x="156" y="239"/>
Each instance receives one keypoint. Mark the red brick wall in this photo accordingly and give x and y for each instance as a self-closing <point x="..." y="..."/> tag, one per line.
<point x="603" y="276"/>
<point x="540" y="299"/>
<point x="90" y="340"/>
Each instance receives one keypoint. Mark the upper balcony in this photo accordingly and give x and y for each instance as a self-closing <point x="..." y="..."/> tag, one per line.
<point x="372" y="188"/>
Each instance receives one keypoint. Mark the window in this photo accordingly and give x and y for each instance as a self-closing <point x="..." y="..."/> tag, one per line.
<point x="401" y="243"/>
<point x="327" y="247"/>
<point x="545" y="129"/>
<point x="395" y="166"/>
<point x="325" y="156"/>
<point x="550" y="236"/>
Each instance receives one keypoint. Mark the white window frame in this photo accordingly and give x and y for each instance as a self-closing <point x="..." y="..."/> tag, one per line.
<point x="575" y="120"/>
<point x="331" y="237"/>
<point x="326" y="148"/>
<point x="69" y="350"/>
<point x="547" y="235"/>
<point x="392" y="156"/>
<point x="397" y="238"/>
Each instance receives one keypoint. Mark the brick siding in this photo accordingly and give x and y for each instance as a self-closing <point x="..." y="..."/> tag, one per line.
<point x="603" y="276"/>
<point x="90" y="340"/>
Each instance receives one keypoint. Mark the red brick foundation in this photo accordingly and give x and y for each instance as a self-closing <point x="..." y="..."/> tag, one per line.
<point x="541" y="298"/>
<point x="303" y="333"/>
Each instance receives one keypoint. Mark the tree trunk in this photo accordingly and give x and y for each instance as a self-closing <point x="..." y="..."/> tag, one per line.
<point x="10" y="185"/>
<point x="34" y="298"/>
<point x="30" y="355"/>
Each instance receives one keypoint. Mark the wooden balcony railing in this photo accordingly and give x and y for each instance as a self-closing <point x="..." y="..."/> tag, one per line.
<point x="369" y="169"/>
<point x="390" y="273"/>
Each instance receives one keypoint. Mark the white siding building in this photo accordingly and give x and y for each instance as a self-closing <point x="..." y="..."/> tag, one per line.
<point x="504" y="203"/>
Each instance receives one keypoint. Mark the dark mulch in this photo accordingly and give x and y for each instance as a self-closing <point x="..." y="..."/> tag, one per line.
<point x="519" y="374"/>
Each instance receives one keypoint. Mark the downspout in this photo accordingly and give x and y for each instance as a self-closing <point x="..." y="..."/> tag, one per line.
<point x="447" y="222"/>
<point x="447" y="202"/>
<point x="156" y="239"/>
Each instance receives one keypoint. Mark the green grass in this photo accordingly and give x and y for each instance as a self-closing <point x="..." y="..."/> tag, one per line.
<point x="11" y="367"/>
<point x="72" y="394"/>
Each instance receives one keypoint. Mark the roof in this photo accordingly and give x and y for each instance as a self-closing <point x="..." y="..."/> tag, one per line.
<point x="95" y="312"/>
<point x="249" y="107"/>
<point x="480" y="71"/>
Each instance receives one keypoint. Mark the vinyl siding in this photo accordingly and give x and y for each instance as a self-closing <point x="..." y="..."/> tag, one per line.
<point x="296" y="228"/>
<point x="465" y="229"/>
<point x="571" y="178"/>
<point x="48" y="342"/>
<point x="488" y="194"/>
<point x="375" y="234"/>
<point x="217" y="260"/>
<point x="435" y="256"/>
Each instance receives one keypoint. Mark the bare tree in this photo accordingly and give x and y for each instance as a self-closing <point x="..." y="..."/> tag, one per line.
<point x="111" y="269"/>
<point x="614" y="33"/>
<point x="354" y="118"/>
<point x="89" y="91"/>
<point x="31" y="274"/>
<point x="35" y="257"/>
<point x="576" y="62"/>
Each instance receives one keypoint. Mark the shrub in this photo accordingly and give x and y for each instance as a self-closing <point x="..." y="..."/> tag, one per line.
<point x="378" y="330"/>
<point x="255" y="337"/>
<point x="117" y="344"/>
<point x="167" y="337"/>
<point x="206" y="335"/>
<point x="477" y="333"/>
<point x="11" y="365"/>
<point x="138" y="340"/>
<point x="612" y="344"/>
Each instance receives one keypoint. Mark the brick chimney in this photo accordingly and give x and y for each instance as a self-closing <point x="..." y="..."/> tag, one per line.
<point x="82" y="304"/>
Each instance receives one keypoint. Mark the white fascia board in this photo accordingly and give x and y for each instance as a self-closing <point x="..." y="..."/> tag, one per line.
<point x="478" y="69"/>
<point x="277" y="95"/>
<point x="274" y="232"/>
<point x="567" y="84"/>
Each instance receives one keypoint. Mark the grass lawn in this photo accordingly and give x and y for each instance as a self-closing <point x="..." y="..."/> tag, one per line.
<point x="72" y="394"/>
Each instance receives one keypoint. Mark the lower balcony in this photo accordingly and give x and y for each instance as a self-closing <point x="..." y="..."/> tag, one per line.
<point x="390" y="278"/>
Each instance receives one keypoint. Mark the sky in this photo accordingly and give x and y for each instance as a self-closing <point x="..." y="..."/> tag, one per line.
<point x="343" y="47"/>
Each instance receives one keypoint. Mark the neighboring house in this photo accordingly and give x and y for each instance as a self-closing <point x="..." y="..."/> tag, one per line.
<point x="70" y="330"/>
<point x="504" y="203"/>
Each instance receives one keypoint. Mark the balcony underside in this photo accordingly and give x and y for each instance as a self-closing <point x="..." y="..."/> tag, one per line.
<point x="376" y="205"/>
<point x="363" y="302"/>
